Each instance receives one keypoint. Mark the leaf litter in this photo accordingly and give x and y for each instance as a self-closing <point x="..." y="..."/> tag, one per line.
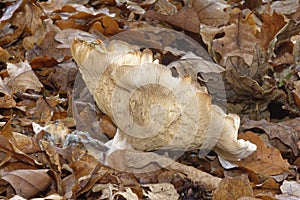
<point x="256" y="44"/>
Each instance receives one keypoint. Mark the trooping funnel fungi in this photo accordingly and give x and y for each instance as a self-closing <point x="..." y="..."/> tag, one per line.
<point x="151" y="108"/>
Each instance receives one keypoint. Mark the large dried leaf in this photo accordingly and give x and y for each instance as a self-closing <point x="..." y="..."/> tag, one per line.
<point x="287" y="131"/>
<point x="28" y="183"/>
<point x="210" y="12"/>
<point x="271" y="26"/>
<point x="239" y="40"/>
<point x="265" y="160"/>
<point x="233" y="188"/>
<point x="22" y="78"/>
<point x="186" y="19"/>
<point x="236" y="75"/>
<point x="8" y="145"/>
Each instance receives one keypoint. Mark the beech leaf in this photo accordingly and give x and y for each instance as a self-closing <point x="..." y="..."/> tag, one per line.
<point x="265" y="160"/>
<point x="28" y="183"/>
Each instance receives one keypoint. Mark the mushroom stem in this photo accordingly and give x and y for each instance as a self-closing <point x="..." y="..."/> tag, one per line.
<point x="228" y="146"/>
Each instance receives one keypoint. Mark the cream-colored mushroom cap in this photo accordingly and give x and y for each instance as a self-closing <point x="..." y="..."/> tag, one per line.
<point x="152" y="109"/>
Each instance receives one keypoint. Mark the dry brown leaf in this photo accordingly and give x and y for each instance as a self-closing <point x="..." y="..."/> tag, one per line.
<point x="265" y="160"/>
<point x="21" y="78"/>
<point x="237" y="75"/>
<point x="287" y="131"/>
<point x="208" y="34"/>
<point x="107" y="126"/>
<point x="25" y="143"/>
<point x="28" y="183"/>
<point x="268" y="187"/>
<point x="186" y="18"/>
<point x="85" y="172"/>
<point x="43" y="112"/>
<point x="271" y="26"/>
<point x="239" y="40"/>
<point x="4" y="55"/>
<point x="210" y="12"/>
<point x="128" y="194"/>
<point x="64" y="75"/>
<point x="233" y="188"/>
<point x="106" y="25"/>
<point x="8" y="145"/>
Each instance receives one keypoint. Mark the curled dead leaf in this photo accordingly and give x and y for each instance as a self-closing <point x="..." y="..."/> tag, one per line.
<point x="266" y="160"/>
<point x="28" y="183"/>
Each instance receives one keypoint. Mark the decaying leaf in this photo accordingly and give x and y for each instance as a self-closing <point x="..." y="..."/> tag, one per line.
<point x="287" y="131"/>
<point x="186" y="18"/>
<point x="22" y="78"/>
<point x="239" y="40"/>
<point x="266" y="160"/>
<point x="49" y="49"/>
<point x="28" y="183"/>
<point x="237" y="75"/>
<point x="233" y="188"/>
<point x="25" y="17"/>
<point x="211" y="13"/>
<point x="272" y="24"/>
<point x="8" y="145"/>
<point x="268" y="188"/>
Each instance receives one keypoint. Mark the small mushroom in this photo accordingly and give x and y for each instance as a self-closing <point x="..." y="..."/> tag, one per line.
<point x="152" y="109"/>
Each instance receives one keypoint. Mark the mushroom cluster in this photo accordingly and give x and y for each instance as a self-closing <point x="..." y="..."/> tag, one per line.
<point x="152" y="109"/>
